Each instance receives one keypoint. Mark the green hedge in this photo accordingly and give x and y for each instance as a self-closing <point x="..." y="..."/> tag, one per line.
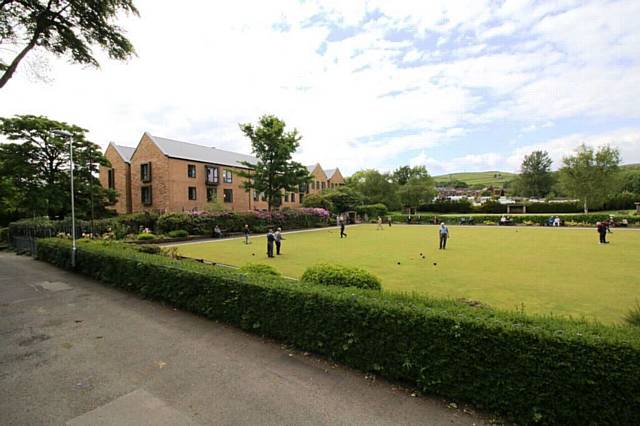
<point x="588" y="219"/>
<point x="531" y="369"/>
<point x="342" y="276"/>
<point x="372" y="210"/>
<point x="178" y="233"/>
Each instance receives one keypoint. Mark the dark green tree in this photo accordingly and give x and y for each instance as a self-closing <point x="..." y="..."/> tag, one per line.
<point x="62" y="27"/>
<point x="38" y="168"/>
<point x="417" y="191"/>
<point x="376" y="188"/>
<point x="344" y="198"/>
<point x="535" y="178"/>
<point x="590" y="176"/>
<point x="275" y="171"/>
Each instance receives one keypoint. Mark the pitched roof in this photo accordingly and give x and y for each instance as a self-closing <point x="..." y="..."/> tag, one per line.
<point x="330" y="173"/>
<point x="312" y="167"/>
<point x="206" y="154"/>
<point x="125" y="151"/>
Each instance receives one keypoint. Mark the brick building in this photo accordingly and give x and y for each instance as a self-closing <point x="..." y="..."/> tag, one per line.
<point x="166" y="175"/>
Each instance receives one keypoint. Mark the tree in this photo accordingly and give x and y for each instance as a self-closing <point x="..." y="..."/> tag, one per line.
<point x="38" y="168"/>
<point x="274" y="172"/>
<point x="344" y="198"/>
<point x="417" y="191"/>
<point x="631" y="181"/>
<point x="318" y="200"/>
<point x="403" y="174"/>
<point x="535" y="178"/>
<point x="376" y="188"/>
<point x="589" y="175"/>
<point x="61" y="27"/>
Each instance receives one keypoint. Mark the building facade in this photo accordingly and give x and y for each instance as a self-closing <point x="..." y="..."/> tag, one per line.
<point x="166" y="175"/>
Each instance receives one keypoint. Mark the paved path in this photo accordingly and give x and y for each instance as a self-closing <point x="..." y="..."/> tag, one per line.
<point x="75" y="352"/>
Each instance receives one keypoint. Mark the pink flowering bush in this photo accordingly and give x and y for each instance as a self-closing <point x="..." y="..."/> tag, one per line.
<point x="202" y="223"/>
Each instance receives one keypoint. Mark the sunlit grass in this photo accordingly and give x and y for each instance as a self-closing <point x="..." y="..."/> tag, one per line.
<point x="541" y="270"/>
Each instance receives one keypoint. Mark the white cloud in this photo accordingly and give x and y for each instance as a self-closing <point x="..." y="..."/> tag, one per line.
<point x="204" y="67"/>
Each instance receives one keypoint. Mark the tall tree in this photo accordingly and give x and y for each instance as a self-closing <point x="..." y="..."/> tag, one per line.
<point x="62" y="27"/>
<point x="376" y="187"/>
<point x="275" y="171"/>
<point x="417" y="191"/>
<point x="535" y="175"/>
<point x="403" y="174"/>
<point x="38" y="166"/>
<point x="344" y="198"/>
<point x="590" y="175"/>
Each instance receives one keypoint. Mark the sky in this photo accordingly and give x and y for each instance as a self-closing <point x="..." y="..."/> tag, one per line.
<point x="455" y="86"/>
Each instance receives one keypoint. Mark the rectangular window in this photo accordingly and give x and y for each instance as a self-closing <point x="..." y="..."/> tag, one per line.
<point x="146" y="195"/>
<point x="145" y="172"/>
<point x="286" y="197"/>
<point x="293" y="197"/>
<point x="212" y="194"/>
<point x="227" y="177"/>
<point x="191" y="170"/>
<point x="228" y="195"/>
<point x="212" y="175"/>
<point x="263" y="197"/>
<point x="323" y="185"/>
<point x="301" y="198"/>
<point x="111" y="178"/>
<point x="255" y="195"/>
<point x="312" y="185"/>
<point x="317" y="185"/>
<point x="192" y="192"/>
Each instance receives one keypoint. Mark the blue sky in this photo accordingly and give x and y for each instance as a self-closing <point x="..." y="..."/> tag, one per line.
<point x="454" y="86"/>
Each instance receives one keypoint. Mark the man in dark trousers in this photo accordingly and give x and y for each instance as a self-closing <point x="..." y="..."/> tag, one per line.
<point x="342" y="233"/>
<point x="246" y="233"/>
<point x="270" y="240"/>
<point x="443" y="231"/>
<point x="602" y="231"/>
<point x="278" y="239"/>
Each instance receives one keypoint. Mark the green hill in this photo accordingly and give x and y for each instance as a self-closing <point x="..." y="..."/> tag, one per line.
<point x="490" y="178"/>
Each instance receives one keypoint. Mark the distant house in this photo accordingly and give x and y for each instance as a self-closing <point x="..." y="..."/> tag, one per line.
<point x="167" y="175"/>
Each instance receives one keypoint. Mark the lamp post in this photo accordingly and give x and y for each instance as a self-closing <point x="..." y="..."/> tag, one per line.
<point x="68" y="136"/>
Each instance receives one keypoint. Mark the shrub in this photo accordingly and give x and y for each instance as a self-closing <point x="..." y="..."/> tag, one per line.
<point x="149" y="248"/>
<point x="491" y="207"/>
<point x="531" y="369"/>
<point x="446" y="206"/>
<point x="260" y="269"/>
<point x="178" y="233"/>
<point x="4" y="234"/>
<point x="342" y="276"/>
<point x="146" y="236"/>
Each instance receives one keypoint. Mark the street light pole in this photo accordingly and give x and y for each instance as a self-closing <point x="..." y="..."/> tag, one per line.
<point x="68" y="136"/>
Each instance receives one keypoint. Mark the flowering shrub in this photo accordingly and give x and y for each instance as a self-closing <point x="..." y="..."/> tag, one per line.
<point x="203" y="223"/>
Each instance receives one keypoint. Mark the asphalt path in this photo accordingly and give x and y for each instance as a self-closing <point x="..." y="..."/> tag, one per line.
<point x="75" y="352"/>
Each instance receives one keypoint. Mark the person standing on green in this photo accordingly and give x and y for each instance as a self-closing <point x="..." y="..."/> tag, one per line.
<point x="443" y="231"/>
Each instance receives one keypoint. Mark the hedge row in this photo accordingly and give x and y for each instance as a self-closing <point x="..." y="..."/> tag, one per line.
<point x="194" y="223"/>
<point x="590" y="218"/>
<point x="531" y="369"/>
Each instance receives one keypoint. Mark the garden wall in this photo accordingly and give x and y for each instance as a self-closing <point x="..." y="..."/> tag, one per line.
<point x="531" y="369"/>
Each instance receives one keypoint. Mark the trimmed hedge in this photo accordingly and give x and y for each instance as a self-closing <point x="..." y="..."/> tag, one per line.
<point x="531" y="369"/>
<point x="342" y="276"/>
<point x="178" y="233"/>
<point x="586" y="219"/>
<point x="372" y="210"/>
<point x="259" y="268"/>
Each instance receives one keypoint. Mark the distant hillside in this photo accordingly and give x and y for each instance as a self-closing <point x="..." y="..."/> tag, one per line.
<point x="634" y="167"/>
<point x="490" y="178"/>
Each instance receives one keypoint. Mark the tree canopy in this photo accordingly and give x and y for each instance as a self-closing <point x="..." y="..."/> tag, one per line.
<point x="535" y="178"/>
<point x="376" y="187"/>
<point x="62" y="27"/>
<point x="275" y="171"/>
<point x="591" y="175"/>
<point x="35" y="171"/>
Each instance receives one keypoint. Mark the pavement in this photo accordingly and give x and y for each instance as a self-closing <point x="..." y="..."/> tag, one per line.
<point x="75" y="352"/>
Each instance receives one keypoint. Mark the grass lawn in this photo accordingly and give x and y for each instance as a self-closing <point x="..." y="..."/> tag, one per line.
<point x="540" y="270"/>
